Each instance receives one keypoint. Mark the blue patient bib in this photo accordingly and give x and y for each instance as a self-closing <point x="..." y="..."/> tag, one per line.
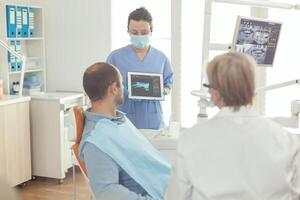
<point x="134" y="154"/>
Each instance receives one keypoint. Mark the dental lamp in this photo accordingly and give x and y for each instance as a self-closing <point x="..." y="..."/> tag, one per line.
<point x="22" y="58"/>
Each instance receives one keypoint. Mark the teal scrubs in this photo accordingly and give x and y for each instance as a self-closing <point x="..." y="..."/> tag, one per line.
<point x="144" y="114"/>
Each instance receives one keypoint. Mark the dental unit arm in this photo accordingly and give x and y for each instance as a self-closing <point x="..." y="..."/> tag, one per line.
<point x="293" y="120"/>
<point x="205" y="101"/>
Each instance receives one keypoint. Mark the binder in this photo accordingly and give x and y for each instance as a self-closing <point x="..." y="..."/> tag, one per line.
<point x="31" y="32"/>
<point x="11" y="21"/>
<point x="25" y="25"/>
<point x="19" y="21"/>
<point x="12" y="58"/>
<point x="18" y="50"/>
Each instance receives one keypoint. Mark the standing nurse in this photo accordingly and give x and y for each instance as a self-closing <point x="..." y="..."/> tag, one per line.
<point x="139" y="56"/>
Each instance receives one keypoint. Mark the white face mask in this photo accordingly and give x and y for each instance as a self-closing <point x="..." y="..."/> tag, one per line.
<point x="140" y="41"/>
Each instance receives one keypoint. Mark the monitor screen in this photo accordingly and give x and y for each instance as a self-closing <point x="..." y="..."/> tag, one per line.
<point x="258" y="38"/>
<point x="145" y="86"/>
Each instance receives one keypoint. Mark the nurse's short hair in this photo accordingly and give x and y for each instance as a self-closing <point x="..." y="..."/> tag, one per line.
<point x="140" y="14"/>
<point x="97" y="78"/>
<point x="232" y="75"/>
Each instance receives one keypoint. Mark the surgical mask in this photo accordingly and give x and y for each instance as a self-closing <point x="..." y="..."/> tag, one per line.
<point x="140" y="41"/>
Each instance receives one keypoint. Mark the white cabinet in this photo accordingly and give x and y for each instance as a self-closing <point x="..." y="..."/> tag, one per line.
<point x="33" y="47"/>
<point x="15" y="156"/>
<point x="50" y="147"/>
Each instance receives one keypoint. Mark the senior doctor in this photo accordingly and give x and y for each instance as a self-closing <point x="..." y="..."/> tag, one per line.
<point x="237" y="154"/>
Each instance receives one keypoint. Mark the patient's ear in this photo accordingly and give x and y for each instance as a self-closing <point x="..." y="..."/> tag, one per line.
<point x="113" y="88"/>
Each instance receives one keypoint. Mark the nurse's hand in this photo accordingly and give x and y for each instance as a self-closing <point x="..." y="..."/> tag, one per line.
<point x="167" y="90"/>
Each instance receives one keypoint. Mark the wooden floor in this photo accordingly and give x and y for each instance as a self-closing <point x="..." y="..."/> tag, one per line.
<point x="46" y="188"/>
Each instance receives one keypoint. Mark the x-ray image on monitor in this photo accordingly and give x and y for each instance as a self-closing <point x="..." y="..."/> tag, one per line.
<point x="258" y="38"/>
<point x="145" y="86"/>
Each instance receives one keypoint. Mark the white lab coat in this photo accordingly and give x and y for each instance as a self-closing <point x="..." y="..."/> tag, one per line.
<point x="237" y="155"/>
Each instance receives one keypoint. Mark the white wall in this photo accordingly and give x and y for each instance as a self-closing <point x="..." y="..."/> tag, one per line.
<point x="77" y="34"/>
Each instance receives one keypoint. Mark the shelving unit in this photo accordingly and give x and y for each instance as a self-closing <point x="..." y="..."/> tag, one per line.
<point x="33" y="48"/>
<point x="21" y="39"/>
<point x="38" y="69"/>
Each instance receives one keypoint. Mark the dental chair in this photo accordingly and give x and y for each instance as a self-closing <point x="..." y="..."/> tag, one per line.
<point x="75" y="133"/>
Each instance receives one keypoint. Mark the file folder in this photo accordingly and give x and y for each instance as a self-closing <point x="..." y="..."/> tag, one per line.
<point x="31" y="32"/>
<point x="19" y="21"/>
<point x="18" y="50"/>
<point x="11" y="21"/>
<point x="12" y="58"/>
<point x="25" y="25"/>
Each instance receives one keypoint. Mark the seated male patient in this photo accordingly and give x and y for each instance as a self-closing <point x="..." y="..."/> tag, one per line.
<point x="121" y="163"/>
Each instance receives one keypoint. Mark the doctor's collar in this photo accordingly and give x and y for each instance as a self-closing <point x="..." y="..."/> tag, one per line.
<point x="243" y="111"/>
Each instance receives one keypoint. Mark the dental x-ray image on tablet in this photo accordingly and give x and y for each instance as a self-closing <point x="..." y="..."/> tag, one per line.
<point x="145" y="86"/>
<point x="258" y="38"/>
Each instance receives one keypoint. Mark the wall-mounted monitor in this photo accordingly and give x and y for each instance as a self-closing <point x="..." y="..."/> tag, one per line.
<point x="258" y="38"/>
<point x="145" y="86"/>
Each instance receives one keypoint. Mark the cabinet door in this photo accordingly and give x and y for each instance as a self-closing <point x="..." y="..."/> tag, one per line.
<point x="15" y="132"/>
<point x="3" y="169"/>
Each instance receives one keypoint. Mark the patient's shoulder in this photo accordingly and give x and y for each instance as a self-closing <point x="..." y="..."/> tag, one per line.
<point x="92" y="152"/>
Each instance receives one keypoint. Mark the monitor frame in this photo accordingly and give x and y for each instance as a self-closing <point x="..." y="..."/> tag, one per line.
<point x="131" y="96"/>
<point x="236" y="33"/>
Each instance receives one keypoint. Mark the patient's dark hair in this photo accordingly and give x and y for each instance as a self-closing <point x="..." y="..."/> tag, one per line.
<point x="97" y="78"/>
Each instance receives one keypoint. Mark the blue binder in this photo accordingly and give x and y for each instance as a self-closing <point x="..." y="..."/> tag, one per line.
<point x="31" y="32"/>
<point x="11" y="58"/>
<point x="11" y="21"/>
<point x="19" y="21"/>
<point x="18" y="50"/>
<point x="25" y="25"/>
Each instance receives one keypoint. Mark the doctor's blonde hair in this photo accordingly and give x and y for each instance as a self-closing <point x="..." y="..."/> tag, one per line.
<point x="232" y="75"/>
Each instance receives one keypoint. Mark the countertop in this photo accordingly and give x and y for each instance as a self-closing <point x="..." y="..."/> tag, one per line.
<point x="11" y="99"/>
<point x="57" y="96"/>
